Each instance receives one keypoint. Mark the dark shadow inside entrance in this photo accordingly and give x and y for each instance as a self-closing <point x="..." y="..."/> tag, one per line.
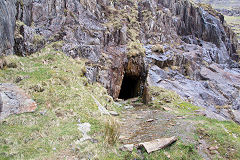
<point x="130" y="87"/>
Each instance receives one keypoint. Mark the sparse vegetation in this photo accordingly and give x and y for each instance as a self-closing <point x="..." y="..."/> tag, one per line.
<point x="112" y="130"/>
<point x="3" y="62"/>
<point x="166" y="98"/>
<point x="234" y="23"/>
<point x="65" y="96"/>
<point x="209" y="9"/>
<point x="38" y="39"/>
<point x="225" y="135"/>
<point x="54" y="81"/>
<point x="158" y="48"/>
<point x="19" y="25"/>
<point x="178" y="151"/>
<point x="135" y="49"/>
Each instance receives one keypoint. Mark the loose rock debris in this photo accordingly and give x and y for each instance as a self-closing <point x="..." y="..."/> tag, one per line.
<point x="84" y="128"/>
<point x="127" y="147"/>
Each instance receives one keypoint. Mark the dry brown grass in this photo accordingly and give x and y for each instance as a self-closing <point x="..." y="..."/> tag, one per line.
<point x="3" y="62"/>
<point x="158" y="48"/>
<point x="112" y="130"/>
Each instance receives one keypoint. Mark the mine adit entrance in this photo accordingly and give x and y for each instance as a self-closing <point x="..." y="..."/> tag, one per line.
<point x="134" y="77"/>
<point x="131" y="87"/>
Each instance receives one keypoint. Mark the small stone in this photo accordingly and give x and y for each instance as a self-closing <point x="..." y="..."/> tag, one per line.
<point x="127" y="147"/>
<point x="167" y="109"/>
<point x="43" y="112"/>
<point x="122" y="137"/>
<point x="84" y="128"/>
<point x="113" y="113"/>
<point x="117" y="104"/>
<point x="133" y="100"/>
<point x="213" y="152"/>
<point x="167" y="155"/>
<point x="94" y="140"/>
<point x="128" y="107"/>
<point x="200" y="141"/>
<point x="213" y="148"/>
<point x="19" y="78"/>
<point x="118" y="100"/>
<point x="150" y="120"/>
<point x="37" y="88"/>
<point x="200" y="112"/>
<point x="139" y="117"/>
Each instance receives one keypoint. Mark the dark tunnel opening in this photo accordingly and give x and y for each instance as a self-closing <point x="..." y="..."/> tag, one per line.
<point x="130" y="87"/>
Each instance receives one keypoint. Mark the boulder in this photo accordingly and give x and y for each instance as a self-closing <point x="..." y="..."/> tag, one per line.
<point x="14" y="100"/>
<point x="236" y="115"/>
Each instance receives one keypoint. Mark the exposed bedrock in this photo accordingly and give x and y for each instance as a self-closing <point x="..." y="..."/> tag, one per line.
<point x="212" y="86"/>
<point x="7" y="26"/>
<point x="14" y="100"/>
<point x="177" y="45"/>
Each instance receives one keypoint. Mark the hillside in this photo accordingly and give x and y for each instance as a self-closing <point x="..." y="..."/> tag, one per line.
<point x="221" y="4"/>
<point x="99" y="79"/>
<point x="230" y="9"/>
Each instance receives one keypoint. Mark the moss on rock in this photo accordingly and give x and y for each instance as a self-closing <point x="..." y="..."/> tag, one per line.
<point x="135" y="49"/>
<point x="158" y="48"/>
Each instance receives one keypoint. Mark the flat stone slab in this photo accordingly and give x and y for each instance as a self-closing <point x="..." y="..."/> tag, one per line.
<point x="157" y="144"/>
<point x="13" y="100"/>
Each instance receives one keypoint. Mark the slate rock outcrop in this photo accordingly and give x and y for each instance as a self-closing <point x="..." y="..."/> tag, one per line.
<point x="14" y="100"/>
<point x="198" y="60"/>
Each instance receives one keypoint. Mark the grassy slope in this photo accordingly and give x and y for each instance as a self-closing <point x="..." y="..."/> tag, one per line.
<point x="234" y="22"/>
<point x="221" y="4"/>
<point x="57" y="84"/>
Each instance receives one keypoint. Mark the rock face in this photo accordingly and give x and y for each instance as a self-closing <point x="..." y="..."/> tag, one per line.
<point x="7" y="26"/>
<point x="13" y="100"/>
<point x="198" y="57"/>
